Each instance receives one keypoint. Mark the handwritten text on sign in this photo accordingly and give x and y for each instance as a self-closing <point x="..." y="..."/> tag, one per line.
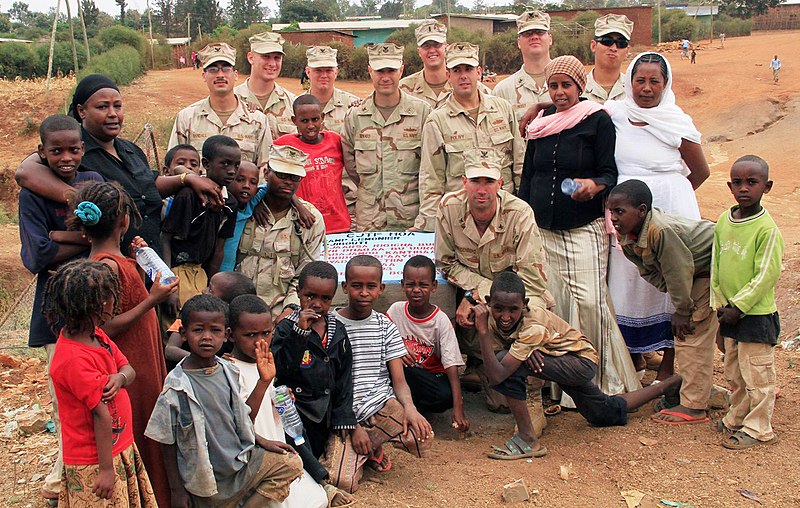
<point x="392" y="248"/>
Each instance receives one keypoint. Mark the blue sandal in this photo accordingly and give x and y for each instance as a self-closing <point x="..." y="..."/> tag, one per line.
<point x="516" y="448"/>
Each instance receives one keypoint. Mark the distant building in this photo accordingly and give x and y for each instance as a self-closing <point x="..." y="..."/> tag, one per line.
<point x="785" y="16"/>
<point x="371" y="31"/>
<point x="488" y="24"/>
<point x="642" y="18"/>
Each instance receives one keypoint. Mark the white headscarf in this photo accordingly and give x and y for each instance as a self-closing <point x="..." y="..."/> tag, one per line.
<point x="666" y="121"/>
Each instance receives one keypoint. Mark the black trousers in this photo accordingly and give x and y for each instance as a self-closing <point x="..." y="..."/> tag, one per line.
<point x="431" y="392"/>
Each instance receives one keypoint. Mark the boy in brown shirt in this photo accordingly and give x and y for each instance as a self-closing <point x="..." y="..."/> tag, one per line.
<point x="538" y="343"/>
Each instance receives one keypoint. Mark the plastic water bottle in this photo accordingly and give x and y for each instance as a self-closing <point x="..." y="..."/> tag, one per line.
<point x="152" y="264"/>
<point x="284" y="405"/>
<point x="569" y="186"/>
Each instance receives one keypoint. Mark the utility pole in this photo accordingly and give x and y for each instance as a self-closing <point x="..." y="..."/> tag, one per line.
<point x="150" y="22"/>
<point x="85" y="37"/>
<point x="189" y="26"/>
<point x="52" y="46"/>
<point x="658" y="6"/>
<point x="72" y="39"/>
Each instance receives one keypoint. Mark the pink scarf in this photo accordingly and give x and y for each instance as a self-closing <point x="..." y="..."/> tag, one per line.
<point x="543" y="126"/>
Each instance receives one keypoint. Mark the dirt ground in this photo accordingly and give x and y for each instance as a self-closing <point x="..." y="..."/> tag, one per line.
<point x="739" y="110"/>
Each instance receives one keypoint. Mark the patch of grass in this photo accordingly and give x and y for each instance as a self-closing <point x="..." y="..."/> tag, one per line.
<point x="7" y="218"/>
<point x="29" y="127"/>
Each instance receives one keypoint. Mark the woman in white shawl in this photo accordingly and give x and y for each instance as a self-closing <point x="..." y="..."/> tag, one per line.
<point x="656" y="143"/>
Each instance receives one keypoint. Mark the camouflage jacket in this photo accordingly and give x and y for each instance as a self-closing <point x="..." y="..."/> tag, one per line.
<point x="278" y="108"/>
<point x="522" y="91"/>
<point x="416" y="85"/>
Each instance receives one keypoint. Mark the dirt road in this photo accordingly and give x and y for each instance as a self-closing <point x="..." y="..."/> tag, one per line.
<point x="739" y="110"/>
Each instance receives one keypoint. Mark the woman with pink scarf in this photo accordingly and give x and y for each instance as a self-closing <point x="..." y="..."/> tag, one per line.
<point x="574" y="139"/>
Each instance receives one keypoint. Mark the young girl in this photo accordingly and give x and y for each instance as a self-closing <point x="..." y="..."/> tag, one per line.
<point x="101" y="461"/>
<point x="103" y="211"/>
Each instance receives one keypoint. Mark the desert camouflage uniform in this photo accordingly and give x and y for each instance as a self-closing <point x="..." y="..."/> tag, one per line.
<point x="595" y="92"/>
<point x="448" y="132"/>
<point x="385" y="156"/>
<point x="470" y="260"/>
<point x="416" y="85"/>
<point x="278" y="108"/>
<point x="273" y="256"/>
<point x="521" y="90"/>
<point x="198" y="122"/>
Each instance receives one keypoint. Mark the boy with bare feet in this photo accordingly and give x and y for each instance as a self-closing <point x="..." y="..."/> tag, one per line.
<point x="538" y="343"/>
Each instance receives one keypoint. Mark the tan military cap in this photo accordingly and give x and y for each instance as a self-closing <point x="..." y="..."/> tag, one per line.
<point x="385" y="56"/>
<point x="462" y="53"/>
<point x="321" y="56"/>
<point x="217" y="52"/>
<point x="613" y="23"/>
<point x="533" y="20"/>
<point x="481" y="163"/>
<point x="431" y="31"/>
<point x="287" y="159"/>
<point x="266" y="42"/>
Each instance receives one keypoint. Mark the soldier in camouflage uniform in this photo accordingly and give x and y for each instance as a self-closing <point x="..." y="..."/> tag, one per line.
<point x="382" y="144"/>
<point x="430" y="84"/>
<point x="261" y="91"/>
<point x="468" y="119"/>
<point x="273" y="255"/>
<point x="527" y="86"/>
<point x="222" y="112"/>
<point x="482" y="230"/>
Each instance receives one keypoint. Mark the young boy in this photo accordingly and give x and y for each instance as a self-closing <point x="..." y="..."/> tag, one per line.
<point x="322" y="185"/>
<point x="745" y="267"/>
<point x="538" y="343"/>
<point x="193" y="235"/>
<point x="248" y="194"/>
<point x="382" y="402"/>
<point x="433" y="357"/>
<point x="313" y="357"/>
<point x="224" y="285"/>
<point x="233" y="464"/>
<point x="46" y="243"/>
<point x="673" y="254"/>
<point x="250" y="330"/>
<point x="180" y="159"/>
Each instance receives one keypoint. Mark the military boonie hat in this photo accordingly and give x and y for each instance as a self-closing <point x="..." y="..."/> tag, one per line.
<point x="217" y="52"/>
<point x="462" y="53"/>
<point x="385" y="56"/>
<point x="431" y="31"/>
<point x="533" y="20"/>
<point x="266" y="42"/>
<point x="287" y="159"/>
<point x="321" y="56"/>
<point x="481" y="163"/>
<point x="613" y="23"/>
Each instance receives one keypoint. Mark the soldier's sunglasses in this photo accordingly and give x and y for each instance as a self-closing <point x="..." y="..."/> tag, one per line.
<point x="608" y="41"/>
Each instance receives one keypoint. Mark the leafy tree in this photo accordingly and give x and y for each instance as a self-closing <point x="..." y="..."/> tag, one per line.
<point x="90" y="13"/>
<point x="299" y="10"/>
<point x="5" y="23"/>
<point x="164" y="14"/>
<point x="391" y="9"/>
<point x="122" y="4"/>
<point x="206" y="14"/>
<point x="243" y="13"/>
<point x="19" y="11"/>
<point x="747" y="8"/>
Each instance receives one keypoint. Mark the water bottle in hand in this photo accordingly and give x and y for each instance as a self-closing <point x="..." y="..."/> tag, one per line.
<point x="284" y="405"/>
<point x="569" y="186"/>
<point x="152" y="264"/>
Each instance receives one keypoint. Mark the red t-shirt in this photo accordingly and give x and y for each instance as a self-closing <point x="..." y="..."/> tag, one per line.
<point x="322" y="186"/>
<point x="79" y="373"/>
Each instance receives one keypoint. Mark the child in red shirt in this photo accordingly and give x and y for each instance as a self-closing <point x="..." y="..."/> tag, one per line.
<point x="90" y="374"/>
<point x="322" y="186"/>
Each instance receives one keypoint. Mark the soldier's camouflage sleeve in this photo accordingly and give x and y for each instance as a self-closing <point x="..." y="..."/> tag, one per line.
<point x="519" y="152"/>
<point x="530" y="259"/>
<point x="179" y="130"/>
<point x="348" y="150"/>
<point x="262" y="150"/>
<point x="432" y="175"/>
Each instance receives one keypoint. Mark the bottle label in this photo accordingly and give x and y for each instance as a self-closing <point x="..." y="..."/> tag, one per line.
<point x="280" y="410"/>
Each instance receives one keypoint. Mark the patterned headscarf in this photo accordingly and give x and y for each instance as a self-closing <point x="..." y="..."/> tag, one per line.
<point x="569" y="65"/>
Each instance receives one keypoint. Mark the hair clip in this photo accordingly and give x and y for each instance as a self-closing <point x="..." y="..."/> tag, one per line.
<point x="88" y="213"/>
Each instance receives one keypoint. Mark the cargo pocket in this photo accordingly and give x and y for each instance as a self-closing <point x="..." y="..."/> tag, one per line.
<point x="762" y="370"/>
<point x="455" y="159"/>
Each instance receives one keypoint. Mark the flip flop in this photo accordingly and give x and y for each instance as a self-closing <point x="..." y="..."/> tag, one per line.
<point x="686" y="419"/>
<point x="516" y="448"/>
<point x="332" y="491"/>
<point x="552" y="410"/>
<point x="740" y="440"/>
<point x="382" y="463"/>
<point x="723" y="429"/>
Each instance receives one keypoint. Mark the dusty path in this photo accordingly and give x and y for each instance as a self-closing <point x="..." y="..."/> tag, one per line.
<point x="731" y="97"/>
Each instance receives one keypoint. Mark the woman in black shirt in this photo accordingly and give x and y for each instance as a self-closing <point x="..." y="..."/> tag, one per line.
<point x="574" y="139"/>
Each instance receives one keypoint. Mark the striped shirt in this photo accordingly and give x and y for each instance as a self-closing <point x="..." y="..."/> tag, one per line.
<point x="374" y="342"/>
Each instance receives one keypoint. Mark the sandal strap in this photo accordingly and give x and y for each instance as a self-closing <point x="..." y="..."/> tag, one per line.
<point x="521" y="444"/>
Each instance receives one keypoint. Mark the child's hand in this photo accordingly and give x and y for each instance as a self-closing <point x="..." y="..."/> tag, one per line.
<point x="265" y="362"/>
<point x="481" y="317"/>
<point x="460" y="421"/>
<point x="307" y="218"/>
<point x="361" y="443"/>
<point x="729" y="315"/>
<point x="417" y="423"/>
<point x="261" y="214"/>
<point x="112" y="387"/>
<point x="535" y="362"/>
<point x="307" y="318"/>
<point x="138" y="243"/>
<point x="465" y="315"/>
<point x="104" y="484"/>
<point x="681" y="326"/>
<point x="276" y="446"/>
<point x="160" y="293"/>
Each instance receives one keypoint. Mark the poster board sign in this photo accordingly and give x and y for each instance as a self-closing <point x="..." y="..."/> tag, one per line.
<point x="392" y="248"/>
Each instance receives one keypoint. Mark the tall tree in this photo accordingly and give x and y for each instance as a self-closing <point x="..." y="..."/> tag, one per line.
<point x="747" y="8"/>
<point x="164" y="14"/>
<point x="206" y="14"/>
<point x="391" y="9"/>
<point x="19" y="11"/>
<point x="122" y="5"/>
<point x="90" y="13"/>
<point x="243" y="13"/>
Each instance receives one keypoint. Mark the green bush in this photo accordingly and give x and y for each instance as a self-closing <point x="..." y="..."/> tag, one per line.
<point x="117" y="35"/>
<point x="501" y="54"/>
<point x="731" y="27"/>
<point x="123" y="64"/>
<point x="17" y="59"/>
<point x="62" y="57"/>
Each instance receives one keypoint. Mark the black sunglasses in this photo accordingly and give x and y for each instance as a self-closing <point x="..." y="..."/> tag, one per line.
<point x="608" y="41"/>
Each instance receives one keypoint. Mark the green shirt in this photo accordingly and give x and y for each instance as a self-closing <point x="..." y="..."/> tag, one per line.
<point x="746" y="263"/>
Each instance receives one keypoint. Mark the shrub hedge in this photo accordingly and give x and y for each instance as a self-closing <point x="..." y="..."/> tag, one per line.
<point x="123" y="64"/>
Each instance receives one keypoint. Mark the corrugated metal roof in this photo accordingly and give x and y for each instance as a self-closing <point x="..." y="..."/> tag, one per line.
<point x="697" y="10"/>
<point x="4" y="39"/>
<point x="372" y="24"/>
